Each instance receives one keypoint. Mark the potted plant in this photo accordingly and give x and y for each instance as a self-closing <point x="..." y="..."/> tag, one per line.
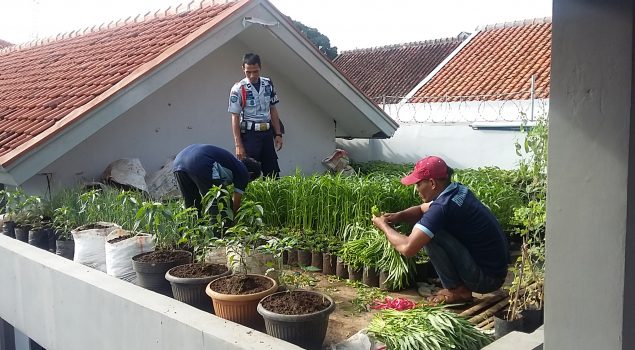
<point x="188" y="281"/>
<point x="298" y="316"/>
<point x="236" y="297"/>
<point x="158" y="219"/>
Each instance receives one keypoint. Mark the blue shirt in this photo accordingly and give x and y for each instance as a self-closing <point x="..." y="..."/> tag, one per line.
<point x="458" y="212"/>
<point x="213" y="162"/>
<point x="258" y="101"/>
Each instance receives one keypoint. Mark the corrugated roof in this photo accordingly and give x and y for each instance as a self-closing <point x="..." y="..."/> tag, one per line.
<point x="496" y="64"/>
<point x="42" y="83"/>
<point x="4" y="43"/>
<point x="388" y="73"/>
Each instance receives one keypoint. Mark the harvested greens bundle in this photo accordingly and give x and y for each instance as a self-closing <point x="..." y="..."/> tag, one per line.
<point x="425" y="328"/>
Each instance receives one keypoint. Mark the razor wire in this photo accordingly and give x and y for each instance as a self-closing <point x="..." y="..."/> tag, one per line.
<point x="507" y="107"/>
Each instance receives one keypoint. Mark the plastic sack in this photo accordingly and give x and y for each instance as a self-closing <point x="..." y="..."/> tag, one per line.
<point x="119" y="254"/>
<point x="338" y="162"/>
<point x="358" y="341"/>
<point x="90" y="248"/>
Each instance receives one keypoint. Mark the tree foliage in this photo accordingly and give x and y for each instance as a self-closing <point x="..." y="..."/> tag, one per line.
<point x="318" y="39"/>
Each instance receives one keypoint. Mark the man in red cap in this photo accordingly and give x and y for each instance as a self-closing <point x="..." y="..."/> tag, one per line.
<point x="460" y="234"/>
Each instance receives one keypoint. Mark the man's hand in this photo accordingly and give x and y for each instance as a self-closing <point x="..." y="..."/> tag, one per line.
<point x="392" y="218"/>
<point x="240" y="152"/>
<point x="278" y="141"/>
<point x="381" y="222"/>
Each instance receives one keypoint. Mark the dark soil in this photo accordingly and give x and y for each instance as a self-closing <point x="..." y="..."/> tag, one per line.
<point x="295" y="303"/>
<point x="162" y="256"/>
<point x="119" y="239"/>
<point x="241" y="285"/>
<point x="92" y="227"/>
<point x="198" y="270"/>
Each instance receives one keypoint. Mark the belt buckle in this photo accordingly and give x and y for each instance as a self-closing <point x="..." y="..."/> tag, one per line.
<point x="260" y="127"/>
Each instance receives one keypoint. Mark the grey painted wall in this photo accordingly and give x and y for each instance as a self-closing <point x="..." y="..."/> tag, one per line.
<point x="64" y="305"/>
<point x="590" y="197"/>
<point x="192" y="108"/>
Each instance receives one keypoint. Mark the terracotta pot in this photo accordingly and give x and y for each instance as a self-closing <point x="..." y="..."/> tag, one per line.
<point x="241" y="309"/>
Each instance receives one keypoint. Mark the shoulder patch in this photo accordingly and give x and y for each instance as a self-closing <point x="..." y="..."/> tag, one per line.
<point x="234" y="98"/>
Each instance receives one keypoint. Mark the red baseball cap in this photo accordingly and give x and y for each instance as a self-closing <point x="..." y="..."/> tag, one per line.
<point x="431" y="167"/>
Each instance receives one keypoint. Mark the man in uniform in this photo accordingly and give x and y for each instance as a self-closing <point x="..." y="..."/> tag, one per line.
<point x="198" y="167"/>
<point x="463" y="239"/>
<point x="255" y="123"/>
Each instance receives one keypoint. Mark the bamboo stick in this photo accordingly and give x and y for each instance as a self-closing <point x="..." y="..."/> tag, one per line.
<point x="488" y="326"/>
<point x="486" y="302"/>
<point x="486" y="322"/>
<point x="489" y="312"/>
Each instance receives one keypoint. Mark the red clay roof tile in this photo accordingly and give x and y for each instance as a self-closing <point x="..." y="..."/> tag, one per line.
<point x="496" y="64"/>
<point x="394" y="70"/>
<point x="42" y="83"/>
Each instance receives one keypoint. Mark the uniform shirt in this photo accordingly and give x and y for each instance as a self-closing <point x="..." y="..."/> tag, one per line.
<point x="459" y="213"/>
<point x="258" y="103"/>
<point x="211" y="161"/>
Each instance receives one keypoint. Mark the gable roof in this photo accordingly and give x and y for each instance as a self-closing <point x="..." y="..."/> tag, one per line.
<point x="57" y="92"/>
<point x="4" y="43"/>
<point x="496" y="64"/>
<point x="387" y="73"/>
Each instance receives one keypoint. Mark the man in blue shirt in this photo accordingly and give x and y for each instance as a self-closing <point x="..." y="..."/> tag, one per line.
<point x="461" y="236"/>
<point x="198" y="167"/>
<point x="256" y="126"/>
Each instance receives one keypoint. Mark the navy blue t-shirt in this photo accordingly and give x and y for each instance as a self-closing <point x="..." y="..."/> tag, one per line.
<point x="458" y="212"/>
<point x="202" y="161"/>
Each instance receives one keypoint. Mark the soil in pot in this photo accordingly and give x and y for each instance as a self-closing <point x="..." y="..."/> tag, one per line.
<point x="329" y="264"/>
<point x="236" y="297"/>
<point x="119" y="239"/>
<point x="189" y="281"/>
<point x="299" y="317"/>
<point x="295" y="303"/>
<point x="152" y="266"/>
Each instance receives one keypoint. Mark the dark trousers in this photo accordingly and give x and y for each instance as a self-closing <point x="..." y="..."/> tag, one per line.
<point x="259" y="145"/>
<point x="193" y="188"/>
<point x="455" y="266"/>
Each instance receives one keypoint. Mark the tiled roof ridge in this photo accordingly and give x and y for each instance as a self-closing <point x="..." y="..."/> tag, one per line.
<point x="170" y="11"/>
<point x="519" y="23"/>
<point x="452" y="39"/>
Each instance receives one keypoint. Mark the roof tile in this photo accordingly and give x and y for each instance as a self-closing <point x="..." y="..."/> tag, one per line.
<point x="42" y="82"/>
<point x="393" y="71"/>
<point x="496" y="64"/>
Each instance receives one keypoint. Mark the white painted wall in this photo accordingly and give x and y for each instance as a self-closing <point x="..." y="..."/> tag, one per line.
<point x="459" y="144"/>
<point x="444" y="129"/>
<point x="192" y="108"/>
<point x="64" y="305"/>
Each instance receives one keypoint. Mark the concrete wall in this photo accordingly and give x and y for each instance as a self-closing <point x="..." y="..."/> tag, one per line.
<point x="193" y="109"/>
<point x="459" y="144"/>
<point x="64" y="305"/>
<point x="590" y="227"/>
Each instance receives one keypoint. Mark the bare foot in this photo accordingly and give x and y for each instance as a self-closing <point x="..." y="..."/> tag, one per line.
<point x="457" y="295"/>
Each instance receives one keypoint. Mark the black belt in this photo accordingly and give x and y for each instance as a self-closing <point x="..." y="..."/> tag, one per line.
<point x="254" y="126"/>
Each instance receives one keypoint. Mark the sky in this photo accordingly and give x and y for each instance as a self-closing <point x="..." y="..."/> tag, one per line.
<point x="349" y="24"/>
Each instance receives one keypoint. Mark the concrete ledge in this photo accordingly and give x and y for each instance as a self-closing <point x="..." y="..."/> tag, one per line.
<point x="519" y="341"/>
<point x="64" y="305"/>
